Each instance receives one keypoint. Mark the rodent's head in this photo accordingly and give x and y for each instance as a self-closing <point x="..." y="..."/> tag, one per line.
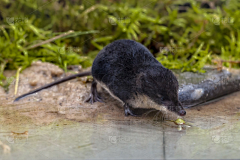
<point x="162" y="87"/>
<point x="174" y="107"/>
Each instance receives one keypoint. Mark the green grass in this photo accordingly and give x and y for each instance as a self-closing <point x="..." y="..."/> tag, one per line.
<point x="41" y="30"/>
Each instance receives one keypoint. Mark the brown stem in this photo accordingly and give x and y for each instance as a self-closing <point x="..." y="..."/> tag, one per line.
<point x="50" y="40"/>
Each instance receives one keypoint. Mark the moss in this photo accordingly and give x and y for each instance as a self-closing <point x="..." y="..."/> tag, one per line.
<point x="42" y="30"/>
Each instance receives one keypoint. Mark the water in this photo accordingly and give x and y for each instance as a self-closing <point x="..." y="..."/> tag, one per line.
<point x="135" y="139"/>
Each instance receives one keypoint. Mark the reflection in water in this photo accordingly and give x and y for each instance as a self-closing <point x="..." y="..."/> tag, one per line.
<point x="132" y="139"/>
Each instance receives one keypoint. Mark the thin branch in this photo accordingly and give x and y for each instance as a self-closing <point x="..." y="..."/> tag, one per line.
<point x="50" y="40"/>
<point x="229" y="61"/>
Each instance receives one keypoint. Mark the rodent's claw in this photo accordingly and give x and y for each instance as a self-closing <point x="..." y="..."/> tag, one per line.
<point x="99" y="99"/>
<point x="94" y="98"/>
<point x="128" y="111"/>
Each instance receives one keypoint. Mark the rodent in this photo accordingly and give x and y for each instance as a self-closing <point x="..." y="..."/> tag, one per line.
<point x="131" y="74"/>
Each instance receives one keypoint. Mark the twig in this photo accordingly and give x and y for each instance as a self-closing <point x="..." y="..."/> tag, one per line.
<point x="229" y="61"/>
<point x="220" y="63"/>
<point x="92" y="8"/>
<point x="17" y="80"/>
<point x="50" y="40"/>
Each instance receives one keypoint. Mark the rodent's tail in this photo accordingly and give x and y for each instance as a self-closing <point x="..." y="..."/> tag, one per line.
<point x="87" y="73"/>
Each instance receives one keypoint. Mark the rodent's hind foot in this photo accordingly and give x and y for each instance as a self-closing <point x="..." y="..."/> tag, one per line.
<point x="128" y="111"/>
<point x="94" y="98"/>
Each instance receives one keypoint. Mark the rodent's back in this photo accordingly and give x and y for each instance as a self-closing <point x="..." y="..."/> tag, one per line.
<point x="127" y="56"/>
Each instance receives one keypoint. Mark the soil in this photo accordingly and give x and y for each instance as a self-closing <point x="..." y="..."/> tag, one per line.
<point x="66" y="101"/>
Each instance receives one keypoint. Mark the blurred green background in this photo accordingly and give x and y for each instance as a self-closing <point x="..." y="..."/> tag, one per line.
<point x="182" y="35"/>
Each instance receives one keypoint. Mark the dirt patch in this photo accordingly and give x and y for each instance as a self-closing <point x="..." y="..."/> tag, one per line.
<point x="66" y="101"/>
<point x="2" y="92"/>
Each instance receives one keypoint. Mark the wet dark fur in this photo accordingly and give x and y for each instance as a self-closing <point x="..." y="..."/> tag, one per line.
<point x="128" y="68"/>
<point x="130" y="73"/>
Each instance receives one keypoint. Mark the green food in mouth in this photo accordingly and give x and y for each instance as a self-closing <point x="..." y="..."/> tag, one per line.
<point x="179" y="121"/>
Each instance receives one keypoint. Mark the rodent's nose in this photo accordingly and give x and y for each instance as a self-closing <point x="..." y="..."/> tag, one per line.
<point x="182" y="113"/>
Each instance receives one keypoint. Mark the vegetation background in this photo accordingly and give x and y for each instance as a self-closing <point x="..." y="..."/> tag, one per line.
<point x="181" y="34"/>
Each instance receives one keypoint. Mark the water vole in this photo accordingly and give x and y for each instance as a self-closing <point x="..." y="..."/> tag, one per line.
<point x="131" y="74"/>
